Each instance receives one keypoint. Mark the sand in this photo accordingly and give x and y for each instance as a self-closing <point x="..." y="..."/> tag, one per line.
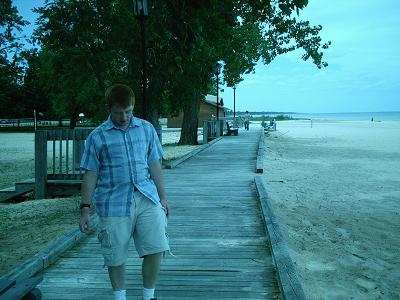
<point x="30" y="226"/>
<point x="335" y="189"/>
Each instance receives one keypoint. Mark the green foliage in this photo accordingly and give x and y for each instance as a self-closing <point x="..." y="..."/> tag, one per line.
<point x="265" y="118"/>
<point x="84" y="49"/>
<point x="87" y="45"/>
<point x="11" y="23"/>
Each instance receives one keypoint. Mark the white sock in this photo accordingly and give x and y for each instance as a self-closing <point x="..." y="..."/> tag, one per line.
<point x="148" y="294"/>
<point x="120" y="295"/>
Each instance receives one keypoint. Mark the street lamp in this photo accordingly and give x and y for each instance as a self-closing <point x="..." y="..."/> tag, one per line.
<point x="140" y="12"/>
<point x="217" y="71"/>
<point x="234" y="101"/>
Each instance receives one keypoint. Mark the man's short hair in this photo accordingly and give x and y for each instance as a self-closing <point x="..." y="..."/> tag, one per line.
<point x="119" y="95"/>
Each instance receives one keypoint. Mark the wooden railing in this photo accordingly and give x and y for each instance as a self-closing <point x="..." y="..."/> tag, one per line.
<point x="212" y="129"/>
<point x="57" y="156"/>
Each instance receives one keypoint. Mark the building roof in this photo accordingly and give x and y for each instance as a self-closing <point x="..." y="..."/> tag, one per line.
<point x="212" y="100"/>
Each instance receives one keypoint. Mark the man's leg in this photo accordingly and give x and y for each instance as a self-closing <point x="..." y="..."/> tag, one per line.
<point x="117" y="277"/>
<point x="150" y="269"/>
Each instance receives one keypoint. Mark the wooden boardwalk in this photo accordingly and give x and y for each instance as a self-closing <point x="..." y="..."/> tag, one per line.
<point x="216" y="232"/>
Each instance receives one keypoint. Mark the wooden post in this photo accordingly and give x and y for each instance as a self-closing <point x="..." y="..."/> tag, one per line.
<point x="217" y="129"/>
<point x="260" y="153"/>
<point x="40" y="164"/>
<point x="205" y="132"/>
<point x="79" y="146"/>
<point x="34" y="119"/>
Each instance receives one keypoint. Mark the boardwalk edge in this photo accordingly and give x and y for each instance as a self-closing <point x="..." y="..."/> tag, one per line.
<point x="260" y="153"/>
<point x="177" y="161"/>
<point x="46" y="257"/>
<point x="287" y="276"/>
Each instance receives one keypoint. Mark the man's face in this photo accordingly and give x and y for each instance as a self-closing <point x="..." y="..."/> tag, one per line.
<point x="121" y="116"/>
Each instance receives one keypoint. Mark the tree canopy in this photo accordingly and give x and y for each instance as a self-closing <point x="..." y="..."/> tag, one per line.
<point x="11" y="25"/>
<point x="86" y="45"/>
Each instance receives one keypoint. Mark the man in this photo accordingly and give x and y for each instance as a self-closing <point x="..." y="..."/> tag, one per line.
<point x="123" y="175"/>
<point x="246" y="120"/>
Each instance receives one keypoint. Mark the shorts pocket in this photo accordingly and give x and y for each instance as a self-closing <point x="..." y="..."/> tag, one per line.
<point x="105" y="244"/>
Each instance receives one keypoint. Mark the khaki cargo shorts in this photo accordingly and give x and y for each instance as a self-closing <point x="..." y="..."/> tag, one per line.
<point x="147" y="224"/>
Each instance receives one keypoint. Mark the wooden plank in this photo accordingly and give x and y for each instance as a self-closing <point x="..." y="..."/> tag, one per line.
<point x="21" y="289"/>
<point x="216" y="231"/>
<point x="288" y="279"/>
<point x="15" y="191"/>
<point x="25" y="186"/>
<point x="46" y="257"/>
<point x="7" y="193"/>
<point x="40" y="164"/>
<point x="260" y="153"/>
<point x="6" y="285"/>
<point x="173" y="163"/>
<point x="205" y="132"/>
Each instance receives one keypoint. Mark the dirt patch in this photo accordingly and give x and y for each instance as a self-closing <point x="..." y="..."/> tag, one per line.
<point x="30" y="226"/>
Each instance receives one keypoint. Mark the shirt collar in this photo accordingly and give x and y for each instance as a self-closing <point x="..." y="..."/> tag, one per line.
<point x="110" y="125"/>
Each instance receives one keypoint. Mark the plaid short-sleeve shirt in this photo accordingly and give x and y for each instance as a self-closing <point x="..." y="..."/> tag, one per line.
<point x="121" y="158"/>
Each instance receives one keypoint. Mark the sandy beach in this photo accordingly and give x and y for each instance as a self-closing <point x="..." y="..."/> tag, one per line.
<point x="335" y="189"/>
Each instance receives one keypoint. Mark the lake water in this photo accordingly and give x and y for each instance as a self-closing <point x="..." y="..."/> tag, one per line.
<point x="350" y="116"/>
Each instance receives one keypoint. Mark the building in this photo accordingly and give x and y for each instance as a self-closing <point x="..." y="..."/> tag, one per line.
<point x="208" y="109"/>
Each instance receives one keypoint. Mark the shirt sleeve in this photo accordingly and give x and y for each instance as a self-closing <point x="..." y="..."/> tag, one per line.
<point x="90" y="159"/>
<point x="155" y="149"/>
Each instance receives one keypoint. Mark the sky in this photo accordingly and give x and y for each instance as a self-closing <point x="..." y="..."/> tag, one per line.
<point x="364" y="63"/>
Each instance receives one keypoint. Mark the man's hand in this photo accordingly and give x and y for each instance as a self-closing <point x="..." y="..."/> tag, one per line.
<point x="164" y="203"/>
<point x="88" y="187"/>
<point x="84" y="223"/>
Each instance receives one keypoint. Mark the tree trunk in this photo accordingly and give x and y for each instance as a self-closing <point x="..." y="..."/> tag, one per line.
<point x="152" y="111"/>
<point x="152" y="117"/>
<point x="190" y="121"/>
<point x="72" y="120"/>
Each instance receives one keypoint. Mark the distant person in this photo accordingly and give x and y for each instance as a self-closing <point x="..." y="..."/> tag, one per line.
<point x="123" y="175"/>
<point x="246" y="120"/>
<point x="372" y="119"/>
<point x="272" y="124"/>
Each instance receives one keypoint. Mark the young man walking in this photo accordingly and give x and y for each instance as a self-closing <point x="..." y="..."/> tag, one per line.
<point x="122" y="159"/>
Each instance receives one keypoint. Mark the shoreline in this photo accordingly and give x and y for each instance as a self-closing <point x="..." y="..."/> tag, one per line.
<point x="338" y="204"/>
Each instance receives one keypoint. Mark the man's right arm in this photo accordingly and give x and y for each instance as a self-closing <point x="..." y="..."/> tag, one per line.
<point x="88" y="187"/>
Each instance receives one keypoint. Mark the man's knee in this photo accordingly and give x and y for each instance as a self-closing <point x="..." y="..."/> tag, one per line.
<point x="153" y="257"/>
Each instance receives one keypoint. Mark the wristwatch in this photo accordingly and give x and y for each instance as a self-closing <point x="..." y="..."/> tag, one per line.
<point x="84" y="205"/>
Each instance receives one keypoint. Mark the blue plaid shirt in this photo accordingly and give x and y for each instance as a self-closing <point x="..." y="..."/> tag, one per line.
<point x="122" y="160"/>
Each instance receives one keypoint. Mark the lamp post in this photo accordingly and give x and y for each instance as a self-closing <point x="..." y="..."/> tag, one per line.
<point x="217" y="71"/>
<point x="140" y="12"/>
<point x="234" y="101"/>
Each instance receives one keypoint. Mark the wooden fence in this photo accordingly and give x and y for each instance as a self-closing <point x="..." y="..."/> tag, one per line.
<point x="58" y="153"/>
<point x="57" y="158"/>
<point x="212" y="129"/>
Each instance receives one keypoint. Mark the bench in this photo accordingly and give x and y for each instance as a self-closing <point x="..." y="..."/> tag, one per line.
<point x="21" y="290"/>
<point x="231" y="130"/>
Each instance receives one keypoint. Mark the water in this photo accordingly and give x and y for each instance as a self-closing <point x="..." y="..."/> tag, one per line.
<point x="350" y="116"/>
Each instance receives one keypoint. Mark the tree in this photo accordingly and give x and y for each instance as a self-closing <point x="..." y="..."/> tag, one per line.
<point x="87" y="45"/>
<point x="248" y="31"/>
<point x="84" y="50"/>
<point x="10" y="68"/>
<point x="32" y="89"/>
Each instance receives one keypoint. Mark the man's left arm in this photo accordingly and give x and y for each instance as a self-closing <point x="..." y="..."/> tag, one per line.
<point x="156" y="175"/>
